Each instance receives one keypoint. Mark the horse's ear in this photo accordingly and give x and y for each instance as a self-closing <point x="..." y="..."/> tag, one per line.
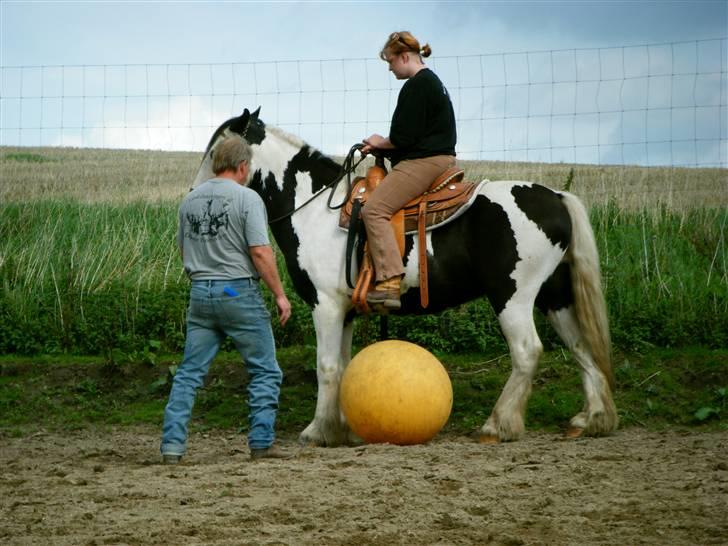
<point x="239" y="124"/>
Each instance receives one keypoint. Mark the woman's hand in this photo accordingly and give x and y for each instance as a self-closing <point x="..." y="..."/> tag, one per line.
<point x="376" y="142"/>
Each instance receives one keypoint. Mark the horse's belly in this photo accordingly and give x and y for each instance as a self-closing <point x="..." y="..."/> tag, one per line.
<point x="512" y="238"/>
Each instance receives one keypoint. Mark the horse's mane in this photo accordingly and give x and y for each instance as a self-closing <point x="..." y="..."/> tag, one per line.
<point x="299" y="143"/>
<point x="291" y="139"/>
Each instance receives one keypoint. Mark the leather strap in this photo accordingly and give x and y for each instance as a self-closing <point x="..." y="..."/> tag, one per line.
<point x="422" y="244"/>
<point x="363" y="284"/>
<point x="355" y="230"/>
<point x="397" y="222"/>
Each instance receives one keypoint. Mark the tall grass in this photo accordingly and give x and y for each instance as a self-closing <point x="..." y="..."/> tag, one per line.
<point x="88" y="247"/>
<point x="94" y="175"/>
<point x="62" y="261"/>
<point x="88" y="261"/>
<point x="128" y="176"/>
<point x="665" y="274"/>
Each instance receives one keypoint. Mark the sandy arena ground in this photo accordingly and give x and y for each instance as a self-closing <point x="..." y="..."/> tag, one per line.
<point x="107" y="487"/>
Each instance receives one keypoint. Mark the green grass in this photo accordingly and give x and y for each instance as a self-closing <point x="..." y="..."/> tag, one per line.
<point x="88" y="266"/>
<point x="656" y="389"/>
<point x="105" y="278"/>
<point x="26" y="157"/>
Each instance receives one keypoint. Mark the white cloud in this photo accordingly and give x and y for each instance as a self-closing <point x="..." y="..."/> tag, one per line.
<point x="650" y="105"/>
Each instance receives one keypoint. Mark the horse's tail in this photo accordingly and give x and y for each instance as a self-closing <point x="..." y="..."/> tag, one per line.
<point x="586" y="283"/>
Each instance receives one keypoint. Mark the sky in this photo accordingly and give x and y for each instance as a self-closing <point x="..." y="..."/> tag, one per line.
<point x="53" y="33"/>
<point x="91" y="34"/>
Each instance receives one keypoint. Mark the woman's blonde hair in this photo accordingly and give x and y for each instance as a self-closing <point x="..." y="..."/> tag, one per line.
<point x="399" y="42"/>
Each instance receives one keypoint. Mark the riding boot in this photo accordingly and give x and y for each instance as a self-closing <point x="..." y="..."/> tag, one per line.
<point x="385" y="295"/>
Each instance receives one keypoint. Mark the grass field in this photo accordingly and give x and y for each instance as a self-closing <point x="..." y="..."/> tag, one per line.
<point x="124" y="176"/>
<point x="88" y="261"/>
<point x="656" y="388"/>
<point x="88" y="266"/>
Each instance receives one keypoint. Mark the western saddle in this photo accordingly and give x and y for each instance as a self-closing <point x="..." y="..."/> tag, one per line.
<point x="446" y="196"/>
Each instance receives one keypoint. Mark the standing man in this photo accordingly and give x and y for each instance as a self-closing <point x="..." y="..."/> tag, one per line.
<point x="223" y="238"/>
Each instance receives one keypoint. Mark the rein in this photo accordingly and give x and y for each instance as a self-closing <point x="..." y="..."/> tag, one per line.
<point x="348" y="167"/>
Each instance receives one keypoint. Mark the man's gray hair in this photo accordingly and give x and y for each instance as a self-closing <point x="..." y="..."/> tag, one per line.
<point x="231" y="153"/>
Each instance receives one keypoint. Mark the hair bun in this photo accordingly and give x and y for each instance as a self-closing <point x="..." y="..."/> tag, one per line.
<point x="426" y="50"/>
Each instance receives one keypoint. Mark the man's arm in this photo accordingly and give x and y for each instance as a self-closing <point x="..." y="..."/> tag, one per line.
<point x="265" y="262"/>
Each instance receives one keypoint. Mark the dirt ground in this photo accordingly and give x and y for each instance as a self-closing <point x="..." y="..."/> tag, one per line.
<point x="107" y="487"/>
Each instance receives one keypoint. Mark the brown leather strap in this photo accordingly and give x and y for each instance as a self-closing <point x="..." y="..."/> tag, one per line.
<point x="422" y="214"/>
<point x="397" y="222"/>
<point x="363" y="283"/>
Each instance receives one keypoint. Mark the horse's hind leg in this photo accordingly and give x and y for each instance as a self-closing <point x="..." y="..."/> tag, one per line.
<point x="506" y="422"/>
<point x="599" y="414"/>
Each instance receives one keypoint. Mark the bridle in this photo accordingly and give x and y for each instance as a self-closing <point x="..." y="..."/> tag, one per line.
<point x="348" y="167"/>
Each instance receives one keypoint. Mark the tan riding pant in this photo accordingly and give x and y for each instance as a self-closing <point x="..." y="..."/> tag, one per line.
<point x="407" y="180"/>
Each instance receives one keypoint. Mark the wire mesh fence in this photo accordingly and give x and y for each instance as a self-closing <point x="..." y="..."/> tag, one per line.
<point x="649" y="105"/>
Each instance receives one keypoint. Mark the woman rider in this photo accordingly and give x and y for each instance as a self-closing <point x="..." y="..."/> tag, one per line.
<point x="420" y="145"/>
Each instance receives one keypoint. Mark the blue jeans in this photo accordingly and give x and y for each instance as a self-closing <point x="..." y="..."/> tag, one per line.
<point x="220" y="308"/>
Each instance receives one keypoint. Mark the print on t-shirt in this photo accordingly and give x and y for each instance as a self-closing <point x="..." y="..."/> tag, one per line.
<point x="207" y="221"/>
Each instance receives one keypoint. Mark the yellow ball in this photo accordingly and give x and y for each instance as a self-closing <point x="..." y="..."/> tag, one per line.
<point x="395" y="392"/>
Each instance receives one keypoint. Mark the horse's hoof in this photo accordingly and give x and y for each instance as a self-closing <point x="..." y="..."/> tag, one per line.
<point x="306" y="440"/>
<point x="573" y="433"/>
<point x="490" y="439"/>
<point x="354" y="441"/>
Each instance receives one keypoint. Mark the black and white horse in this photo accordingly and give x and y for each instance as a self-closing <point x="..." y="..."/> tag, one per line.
<point x="520" y="245"/>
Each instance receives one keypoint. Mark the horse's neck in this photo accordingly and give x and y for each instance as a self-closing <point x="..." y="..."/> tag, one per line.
<point x="291" y="172"/>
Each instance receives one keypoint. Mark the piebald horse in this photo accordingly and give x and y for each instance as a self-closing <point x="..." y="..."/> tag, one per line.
<point x="519" y="244"/>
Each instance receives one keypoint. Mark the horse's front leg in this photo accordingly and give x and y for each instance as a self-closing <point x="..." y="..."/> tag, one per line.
<point x="352" y="439"/>
<point x="328" y="427"/>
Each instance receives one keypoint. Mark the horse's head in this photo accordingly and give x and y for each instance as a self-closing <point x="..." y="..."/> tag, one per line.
<point x="247" y="126"/>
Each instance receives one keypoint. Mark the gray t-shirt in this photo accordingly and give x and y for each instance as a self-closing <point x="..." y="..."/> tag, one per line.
<point x="218" y="221"/>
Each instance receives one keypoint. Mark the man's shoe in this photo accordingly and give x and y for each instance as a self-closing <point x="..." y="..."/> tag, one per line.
<point x="387" y="299"/>
<point x="171" y="459"/>
<point x="272" y="452"/>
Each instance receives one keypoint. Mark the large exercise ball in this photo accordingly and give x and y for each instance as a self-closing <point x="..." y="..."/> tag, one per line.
<point x="395" y="392"/>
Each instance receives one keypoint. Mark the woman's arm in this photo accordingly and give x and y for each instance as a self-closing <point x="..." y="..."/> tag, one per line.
<point x="377" y="142"/>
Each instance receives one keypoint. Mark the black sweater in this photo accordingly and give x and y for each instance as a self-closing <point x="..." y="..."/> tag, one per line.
<point x="423" y="124"/>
